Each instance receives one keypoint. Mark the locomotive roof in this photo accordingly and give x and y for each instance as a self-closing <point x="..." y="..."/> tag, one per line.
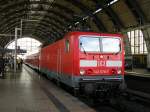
<point x="93" y="33"/>
<point x="78" y="33"/>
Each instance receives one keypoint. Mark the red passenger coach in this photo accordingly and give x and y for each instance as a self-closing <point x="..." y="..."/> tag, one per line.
<point x="33" y="60"/>
<point x="85" y="60"/>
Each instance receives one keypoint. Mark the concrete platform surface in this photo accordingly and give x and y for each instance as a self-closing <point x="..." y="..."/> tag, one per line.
<point x="26" y="91"/>
<point x="138" y="72"/>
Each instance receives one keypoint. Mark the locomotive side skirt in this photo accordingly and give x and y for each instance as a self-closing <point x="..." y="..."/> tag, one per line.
<point x="75" y="81"/>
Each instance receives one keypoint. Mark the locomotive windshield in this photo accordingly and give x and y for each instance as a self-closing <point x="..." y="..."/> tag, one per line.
<point x="100" y="44"/>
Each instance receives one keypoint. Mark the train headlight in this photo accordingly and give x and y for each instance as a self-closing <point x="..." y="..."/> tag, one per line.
<point x="119" y="71"/>
<point x="82" y="72"/>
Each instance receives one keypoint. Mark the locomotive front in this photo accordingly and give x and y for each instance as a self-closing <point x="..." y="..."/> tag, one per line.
<point x="101" y="63"/>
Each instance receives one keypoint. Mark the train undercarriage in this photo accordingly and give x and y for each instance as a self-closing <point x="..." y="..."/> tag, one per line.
<point x="101" y="89"/>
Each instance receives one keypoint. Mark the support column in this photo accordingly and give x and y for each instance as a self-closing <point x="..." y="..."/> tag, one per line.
<point x="15" y="55"/>
<point x="146" y="36"/>
<point x="127" y="45"/>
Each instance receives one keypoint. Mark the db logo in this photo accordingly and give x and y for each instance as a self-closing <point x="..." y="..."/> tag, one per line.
<point x="102" y="63"/>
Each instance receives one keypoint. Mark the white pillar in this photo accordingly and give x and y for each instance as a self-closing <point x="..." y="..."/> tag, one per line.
<point x="21" y="28"/>
<point x="15" y="55"/>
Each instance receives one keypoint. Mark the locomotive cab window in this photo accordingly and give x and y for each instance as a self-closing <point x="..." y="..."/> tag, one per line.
<point x="111" y="45"/>
<point x="67" y="45"/>
<point x="100" y="44"/>
<point x="89" y="44"/>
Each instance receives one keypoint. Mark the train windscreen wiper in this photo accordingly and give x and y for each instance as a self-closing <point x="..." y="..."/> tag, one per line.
<point x="119" y="50"/>
<point x="83" y="48"/>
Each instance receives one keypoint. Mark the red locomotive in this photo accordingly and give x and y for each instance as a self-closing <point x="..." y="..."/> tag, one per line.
<point x="83" y="60"/>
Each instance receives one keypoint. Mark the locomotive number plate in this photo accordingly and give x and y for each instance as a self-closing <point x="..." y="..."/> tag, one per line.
<point x="101" y="63"/>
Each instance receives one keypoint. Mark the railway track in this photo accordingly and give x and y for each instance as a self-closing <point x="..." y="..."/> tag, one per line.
<point x="126" y="105"/>
<point x="130" y="101"/>
<point x="138" y="83"/>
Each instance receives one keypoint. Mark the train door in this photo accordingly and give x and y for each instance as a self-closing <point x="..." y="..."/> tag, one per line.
<point x="59" y="58"/>
<point x="40" y="58"/>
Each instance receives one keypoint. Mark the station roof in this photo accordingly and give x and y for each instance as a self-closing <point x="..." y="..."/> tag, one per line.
<point x="49" y="20"/>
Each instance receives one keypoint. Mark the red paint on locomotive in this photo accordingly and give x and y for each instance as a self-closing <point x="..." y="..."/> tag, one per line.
<point x="69" y="62"/>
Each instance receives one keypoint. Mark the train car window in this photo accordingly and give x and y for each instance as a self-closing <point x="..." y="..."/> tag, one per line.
<point x="67" y="45"/>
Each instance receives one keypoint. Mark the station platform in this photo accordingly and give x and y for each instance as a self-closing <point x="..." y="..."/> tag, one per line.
<point x="138" y="72"/>
<point x="26" y="91"/>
